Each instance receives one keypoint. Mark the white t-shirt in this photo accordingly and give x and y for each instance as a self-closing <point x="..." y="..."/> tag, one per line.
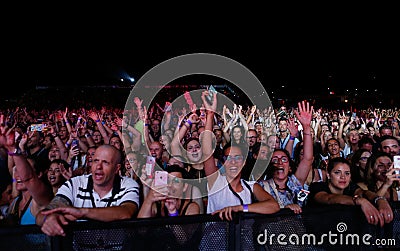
<point x="220" y="196"/>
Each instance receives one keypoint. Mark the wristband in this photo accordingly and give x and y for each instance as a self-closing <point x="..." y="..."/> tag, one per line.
<point x="97" y="121"/>
<point x="16" y="152"/>
<point x="174" y="214"/>
<point x="291" y="137"/>
<point x="146" y="124"/>
<point x="245" y="208"/>
<point x="189" y="122"/>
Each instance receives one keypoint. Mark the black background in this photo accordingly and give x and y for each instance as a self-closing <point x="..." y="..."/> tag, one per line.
<point x="340" y="49"/>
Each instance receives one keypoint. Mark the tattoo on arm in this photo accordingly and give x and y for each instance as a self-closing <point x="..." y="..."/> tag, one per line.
<point x="57" y="202"/>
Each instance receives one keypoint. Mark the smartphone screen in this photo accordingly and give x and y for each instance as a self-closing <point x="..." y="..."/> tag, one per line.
<point x="160" y="178"/>
<point x="74" y="143"/>
<point x="396" y="163"/>
<point x="211" y="91"/>
<point x="150" y="164"/>
<point x="37" y="127"/>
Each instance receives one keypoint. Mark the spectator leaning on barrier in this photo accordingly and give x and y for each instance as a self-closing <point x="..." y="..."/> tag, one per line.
<point x="35" y="191"/>
<point x="340" y="190"/>
<point x="382" y="178"/>
<point x="229" y="193"/>
<point x="285" y="180"/>
<point x="103" y="195"/>
<point x="168" y="200"/>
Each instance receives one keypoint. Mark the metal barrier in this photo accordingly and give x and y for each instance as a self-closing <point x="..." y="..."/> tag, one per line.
<point x="327" y="228"/>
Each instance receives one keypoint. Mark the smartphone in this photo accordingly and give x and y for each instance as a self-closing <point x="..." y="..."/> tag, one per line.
<point x="74" y="143"/>
<point x="160" y="178"/>
<point x="396" y="164"/>
<point x="37" y="127"/>
<point x="150" y="164"/>
<point x="211" y="91"/>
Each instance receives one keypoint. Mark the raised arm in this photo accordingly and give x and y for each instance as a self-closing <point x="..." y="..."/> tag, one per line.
<point x="304" y="116"/>
<point x="40" y="192"/>
<point x="206" y="144"/>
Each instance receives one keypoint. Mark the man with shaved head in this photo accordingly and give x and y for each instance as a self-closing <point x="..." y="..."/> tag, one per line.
<point x="102" y="195"/>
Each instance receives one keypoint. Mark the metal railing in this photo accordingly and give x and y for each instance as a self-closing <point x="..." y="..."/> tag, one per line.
<point x="327" y="228"/>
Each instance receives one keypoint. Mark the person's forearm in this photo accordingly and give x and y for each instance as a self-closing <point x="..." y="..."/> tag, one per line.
<point x="145" y="210"/>
<point x="107" y="214"/>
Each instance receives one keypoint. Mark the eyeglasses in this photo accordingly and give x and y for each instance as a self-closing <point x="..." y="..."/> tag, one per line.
<point x="275" y="160"/>
<point x="236" y="158"/>
<point x="175" y="180"/>
<point x="131" y="160"/>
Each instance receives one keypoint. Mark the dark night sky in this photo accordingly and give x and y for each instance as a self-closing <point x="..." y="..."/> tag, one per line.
<point x="345" y="55"/>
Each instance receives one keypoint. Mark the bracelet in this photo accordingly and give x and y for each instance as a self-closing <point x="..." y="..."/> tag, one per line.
<point x="245" y="208"/>
<point x="97" y="121"/>
<point x="174" y="214"/>
<point x="379" y="198"/>
<point x="291" y="137"/>
<point x="306" y="133"/>
<point x="16" y="152"/>
<point x="189" y="122"/>
<point x="355" y="197"/>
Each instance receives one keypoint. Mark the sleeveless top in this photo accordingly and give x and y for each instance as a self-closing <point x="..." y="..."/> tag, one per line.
<point x="182" y="209"/>
<point x="222" y="195"/>
<point x="27" y="216"/>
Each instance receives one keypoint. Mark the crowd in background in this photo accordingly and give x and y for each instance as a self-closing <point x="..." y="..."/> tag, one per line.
<point x="258" y="159"/>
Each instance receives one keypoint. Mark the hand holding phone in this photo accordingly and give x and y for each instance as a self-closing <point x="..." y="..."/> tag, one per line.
<point x="161" y="178"/>
<point x="150" y="164"/>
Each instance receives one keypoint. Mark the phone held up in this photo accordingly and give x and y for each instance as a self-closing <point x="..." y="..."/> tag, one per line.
<point x="161" y="178"/>
<point x="396" y="164"/>
<point x="150" y="164"/>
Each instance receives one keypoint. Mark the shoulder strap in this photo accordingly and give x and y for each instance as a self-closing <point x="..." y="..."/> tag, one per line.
<point x="235" y="193"/>
<point x="253" y="197"/>
<point x="183" y="212"/>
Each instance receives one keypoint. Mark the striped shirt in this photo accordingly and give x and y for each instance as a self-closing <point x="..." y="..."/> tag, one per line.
<point x="80" y="193"/>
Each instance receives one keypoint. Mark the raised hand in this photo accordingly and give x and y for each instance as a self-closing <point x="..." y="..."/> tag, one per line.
<point x="305" y="113"/>
<point x="209" y="107"/>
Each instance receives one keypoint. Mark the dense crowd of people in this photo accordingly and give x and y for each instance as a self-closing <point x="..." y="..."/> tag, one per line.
<point x="102" y="163"/>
